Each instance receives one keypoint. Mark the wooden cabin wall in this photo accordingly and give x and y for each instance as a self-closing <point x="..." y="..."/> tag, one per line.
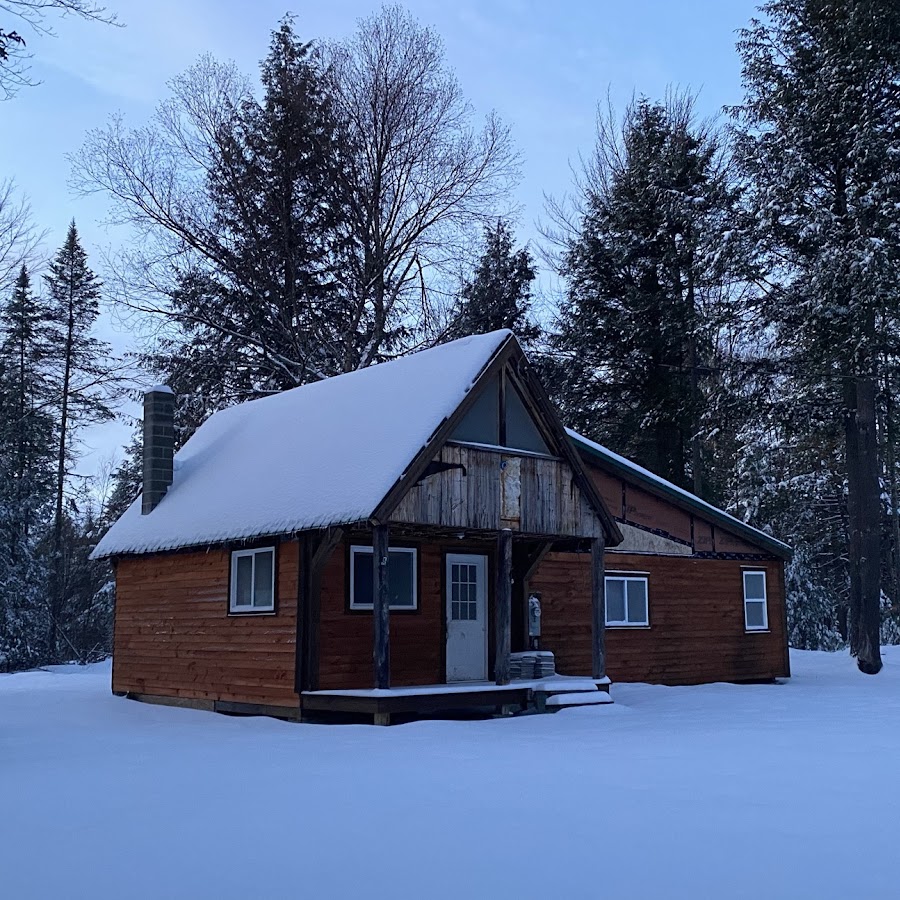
<point x="530" y="494"/>
<point x="174" y="637"/>
<point x="696" y="613"/>
<point x="345" y="649"/>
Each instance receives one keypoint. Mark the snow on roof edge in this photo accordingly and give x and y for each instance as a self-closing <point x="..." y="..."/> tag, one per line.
<point x="441" y="377"/>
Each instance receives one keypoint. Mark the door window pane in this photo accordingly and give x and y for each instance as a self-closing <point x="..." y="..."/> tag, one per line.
<point x="463" y="592"/>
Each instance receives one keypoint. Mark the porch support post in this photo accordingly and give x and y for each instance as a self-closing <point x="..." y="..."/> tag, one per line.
<point x="598" y="614"/>
<point x="503" y="607"/>
<point x="381" y="652"/>
<point x="306" y="616"/>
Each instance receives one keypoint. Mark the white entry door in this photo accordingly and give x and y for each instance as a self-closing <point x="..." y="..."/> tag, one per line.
<point x="466" y="617"/>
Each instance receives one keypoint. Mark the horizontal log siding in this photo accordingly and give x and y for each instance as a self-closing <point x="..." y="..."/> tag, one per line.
<point x="696" y="631"/>
<point x="174" y="637"/>
<point x="416" y="637"/>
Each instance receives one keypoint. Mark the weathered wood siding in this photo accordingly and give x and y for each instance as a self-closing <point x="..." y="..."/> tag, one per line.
<point x="696" y="612"/>
<point x="175" y="638"/>
<point x="633" y="505"/>
<point x="532" y="495"/>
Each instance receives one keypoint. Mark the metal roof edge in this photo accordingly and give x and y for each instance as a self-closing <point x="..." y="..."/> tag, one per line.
<point x="659" y="486"/>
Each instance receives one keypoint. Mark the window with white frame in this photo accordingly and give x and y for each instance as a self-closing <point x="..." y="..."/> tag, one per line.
<point x="756" y="615"/>
<point x="626" y="600"/>
<point x="401" y="577"/>
<point x="253" y="580"/>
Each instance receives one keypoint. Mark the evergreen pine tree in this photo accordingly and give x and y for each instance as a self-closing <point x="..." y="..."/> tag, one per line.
<point x="271" y="314"/>
<point x="499" y="293"/>
<point x="26" y="484"/>
<point x="651" y="274"/>
<point x="82" y="371"/>
<point x="820" y="144"/>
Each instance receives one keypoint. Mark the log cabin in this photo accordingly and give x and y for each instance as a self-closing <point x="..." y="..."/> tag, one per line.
<point x="420" y="536"/>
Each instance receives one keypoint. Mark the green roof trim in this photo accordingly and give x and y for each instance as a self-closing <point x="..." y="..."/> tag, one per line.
<point x="630" y="471"/>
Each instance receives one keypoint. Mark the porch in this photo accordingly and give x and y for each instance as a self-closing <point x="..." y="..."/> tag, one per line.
<point x="454" y="626"/>
<point x="519" y="695"/>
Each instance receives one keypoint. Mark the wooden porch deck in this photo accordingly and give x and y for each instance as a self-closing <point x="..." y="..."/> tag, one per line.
<point x="383" y="703"/>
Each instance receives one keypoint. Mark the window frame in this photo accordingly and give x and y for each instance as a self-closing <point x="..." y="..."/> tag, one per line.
<point x="765" y="600"/>
<point x="626" y="577"/>
<point x="235" y="609"/>
<point x="367" y="549"/>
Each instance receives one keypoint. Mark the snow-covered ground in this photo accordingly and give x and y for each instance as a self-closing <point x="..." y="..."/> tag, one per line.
<point x="718" y="791"/>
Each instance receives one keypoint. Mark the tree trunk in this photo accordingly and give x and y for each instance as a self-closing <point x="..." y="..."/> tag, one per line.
<point x="58" y="588"/>
<point x="864" y="513"/>
<point x="891" y="465"/>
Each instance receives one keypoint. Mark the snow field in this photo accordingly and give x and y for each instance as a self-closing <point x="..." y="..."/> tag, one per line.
<point x="716" y="791"/>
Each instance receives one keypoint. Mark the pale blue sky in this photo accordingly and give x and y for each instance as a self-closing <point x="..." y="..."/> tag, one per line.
<point x="542" y="66"/>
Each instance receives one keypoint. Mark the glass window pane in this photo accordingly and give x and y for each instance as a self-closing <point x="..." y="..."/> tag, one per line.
<point x="481" y="424"/>
<point x="756" y="614"/>
<point x="455" y="611"/>
<point x="521" y="432"/>
<point x="637" y="602"/>
<point x="362" y="578"/>
<point x="755" y="585"/>
<point x="401" y="578"/>
<point x="263" y="578"/>
<point x="243" y="592"/>
<point x="615" y="600"/>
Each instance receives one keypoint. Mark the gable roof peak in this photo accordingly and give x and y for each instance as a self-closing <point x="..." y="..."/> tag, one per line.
<point x="322" y="454"/>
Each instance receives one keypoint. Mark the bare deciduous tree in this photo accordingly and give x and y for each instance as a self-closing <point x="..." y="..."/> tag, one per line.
<point x="20" y="238"/>
<point x="31" y="15"/>
<point x="359" y="167"/>
<point x="423" y="180"/>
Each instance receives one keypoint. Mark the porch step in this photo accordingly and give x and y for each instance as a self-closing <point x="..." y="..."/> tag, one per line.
<point x="578" y="698"/>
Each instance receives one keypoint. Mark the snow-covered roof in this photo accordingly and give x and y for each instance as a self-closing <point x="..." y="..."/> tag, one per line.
<point x="323" y="454"/>
<point x="658" y="485"/>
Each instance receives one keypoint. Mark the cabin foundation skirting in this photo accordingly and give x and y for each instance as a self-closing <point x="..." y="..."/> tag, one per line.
<point x="229" y="707"/>
<point x="548" y="695"/>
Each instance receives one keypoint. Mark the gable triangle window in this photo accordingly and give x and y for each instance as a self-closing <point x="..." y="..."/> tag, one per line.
<point x="499" y="417"/>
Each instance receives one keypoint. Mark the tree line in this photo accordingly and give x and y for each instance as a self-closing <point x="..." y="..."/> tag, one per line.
<point x="56" y="378"/>
<point x="728" y="310"/>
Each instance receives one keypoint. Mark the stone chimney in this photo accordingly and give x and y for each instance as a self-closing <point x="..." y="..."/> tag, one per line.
<point x="159" y="445"/>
